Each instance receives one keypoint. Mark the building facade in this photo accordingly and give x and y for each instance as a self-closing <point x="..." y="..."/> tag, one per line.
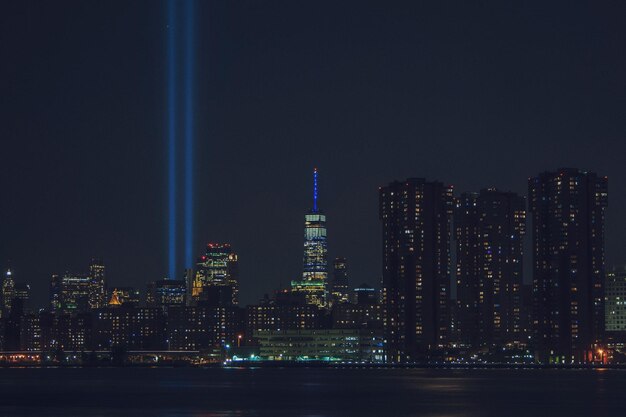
<point x="8" y="288"/>
<point x="615" y="308"/>
<point x="416" y="220"/>
<point x="218" y="267"/>
<point x="340" y="292"/>
<point x="314" y="282"/>
<point x="489" y="232"/>
<point x="97" y="284"/>
<point x="567" y="210"/>
<point x="343" y="345"/>
<point x="70" y="292"/>
<point x="166" y="292"/>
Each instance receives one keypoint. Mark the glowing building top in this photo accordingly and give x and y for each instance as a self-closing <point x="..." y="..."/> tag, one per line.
<point x="315" y="271"/>
<point x="217" y="274"/>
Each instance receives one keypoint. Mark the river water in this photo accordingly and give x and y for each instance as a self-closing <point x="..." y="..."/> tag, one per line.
<point x="316" y="392"/>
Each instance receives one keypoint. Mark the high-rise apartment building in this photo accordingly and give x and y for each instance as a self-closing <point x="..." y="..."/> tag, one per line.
<point x="489" y="229"/>
<point x="567" y="210"/>
<point x="416" y="219"/>
<point x="615" y="308"/>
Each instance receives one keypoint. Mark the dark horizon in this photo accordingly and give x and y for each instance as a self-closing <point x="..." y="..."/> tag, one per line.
<point x="473" y="96"/>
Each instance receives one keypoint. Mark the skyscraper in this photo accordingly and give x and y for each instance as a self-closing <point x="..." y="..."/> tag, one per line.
<point x="315" y="272"/>
<point x="217" y="270"/>
<point x="489" y="230"/>
<point x="416" y="220"/>
<point x="339" y="288"/>
<point x="70" y="292"/>
<point x="97" y="284"/>
<point x="8" y="288"/>
<point x="567" y="209"/>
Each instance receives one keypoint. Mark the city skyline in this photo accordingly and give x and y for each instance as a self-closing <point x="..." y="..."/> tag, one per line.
<point x="459" y="195"/>
<point x="473" y="98"/>
<point x="333" y="208"/>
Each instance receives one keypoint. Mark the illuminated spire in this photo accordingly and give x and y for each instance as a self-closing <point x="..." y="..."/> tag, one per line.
<point x="315" y="189"/>
<point x="115" y="299"/>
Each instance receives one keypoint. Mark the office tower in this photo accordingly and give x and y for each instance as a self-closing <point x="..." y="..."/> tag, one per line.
<point x="416" y="220"/>
<point x="339" y="288"/>
<point x="21" y="298"/>
<point x="567" y="209"/>
<point x="364" y="295"/>
<point x="97" y="284"/>
<point x="615" y="309"/>
<point x="315" y="272"/>
<point x="489" y="230"/>
<point x="70" y="292"/>
<point x="217" y="269"/>
<point x="167" y="292"/>
<point x="8" y="288"/>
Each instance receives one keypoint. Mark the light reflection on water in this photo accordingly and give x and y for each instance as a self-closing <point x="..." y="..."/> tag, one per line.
<point x="190" y="392"/>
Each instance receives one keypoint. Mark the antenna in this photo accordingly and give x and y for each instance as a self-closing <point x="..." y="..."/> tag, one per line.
<point x="315" y="189"/>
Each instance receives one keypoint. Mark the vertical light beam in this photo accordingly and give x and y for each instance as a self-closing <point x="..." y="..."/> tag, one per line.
<point x="315" y="189"/>
<point x="171" y="135"/>
<point x="189" y="130"/>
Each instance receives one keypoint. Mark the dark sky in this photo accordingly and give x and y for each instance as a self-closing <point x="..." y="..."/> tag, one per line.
<point x="474" y="94"/>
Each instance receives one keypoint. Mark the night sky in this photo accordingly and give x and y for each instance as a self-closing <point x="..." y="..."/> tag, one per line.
<point x="475" y="94"/>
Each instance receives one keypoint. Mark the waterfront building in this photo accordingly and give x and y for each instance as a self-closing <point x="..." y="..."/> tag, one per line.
<point x="567" y="208"/>
<point x="284" y="312"/>
<point x="203" y="327"/>
<point x="217" y="268"/>
<point x="314" y="280"/>
<point x="72" y="331"/>
<point x="342" y="345"/>
<point x="489" y="230"/>
<point x="30" y="334"/>
<point x="416" y="219"/>
<point x="131" y="328"/>
<point x="615" y="308"/>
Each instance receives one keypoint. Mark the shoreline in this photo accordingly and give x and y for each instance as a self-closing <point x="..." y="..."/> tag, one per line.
<point x="347" y="366"/>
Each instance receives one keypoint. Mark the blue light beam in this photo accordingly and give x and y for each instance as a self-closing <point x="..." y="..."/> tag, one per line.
<point x="171" y="135"/>
<point x="315" y="189"/>
<point x="189" y="130"/>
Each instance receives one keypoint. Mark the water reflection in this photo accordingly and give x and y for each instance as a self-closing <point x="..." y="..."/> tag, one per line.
<point x="187" y="392"/>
